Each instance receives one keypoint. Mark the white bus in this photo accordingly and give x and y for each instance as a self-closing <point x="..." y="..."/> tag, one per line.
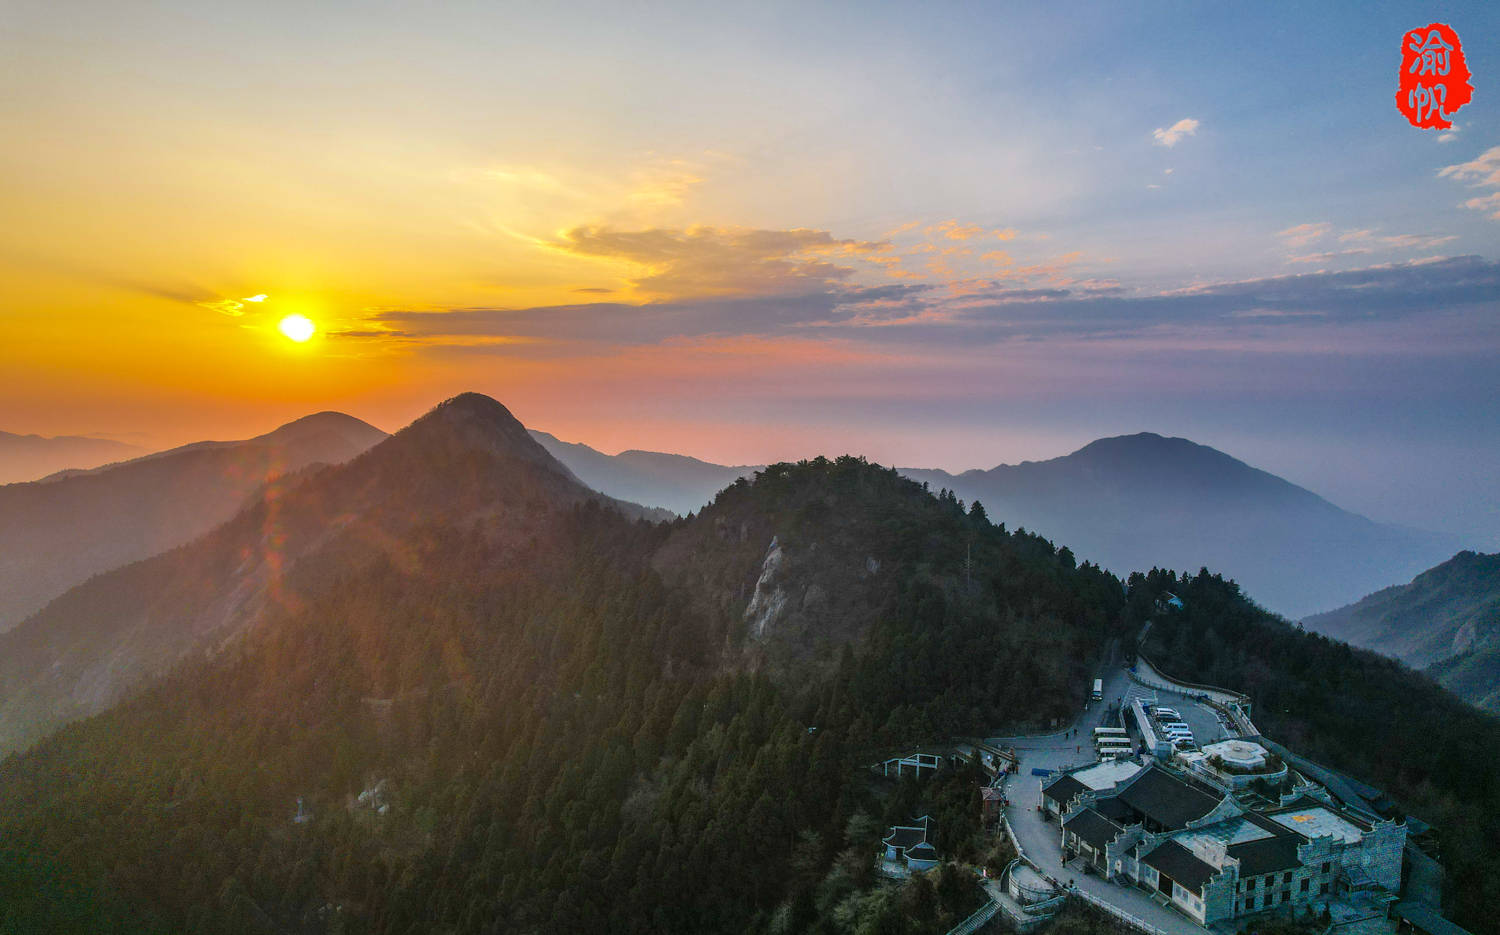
<point x="1125" y="745"/>
<point x="1110" y="732"/>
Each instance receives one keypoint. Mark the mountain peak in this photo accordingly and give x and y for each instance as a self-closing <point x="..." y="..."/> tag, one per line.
<point x="476" y="422"/>
<point x="1143" y="442"/>
<point x="470" y="409"/>
<point x="356" y="431"/>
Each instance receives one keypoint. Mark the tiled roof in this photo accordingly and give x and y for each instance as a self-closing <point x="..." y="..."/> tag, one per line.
<point x="909" y="836"/>
<point x="1063" y="790"/>
<point x="906" y="837"/>
<point x="1115" y="810"/>
<point x="1166" y="799"/>
<point x="1093" y="828"/>
<point x="1268" y="855"/>
<point x="1177" y="862"/>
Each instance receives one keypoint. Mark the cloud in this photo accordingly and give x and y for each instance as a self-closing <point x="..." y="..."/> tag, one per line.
<point x="1170" y="136"/>
<point x="720" y="261"/>
<point x="979" y="312"/>
<point x="901" y="229"/>
<point x="1392" y="292"/>
<point x="619" y="323"/>
<point x="371" y="333"/>
<point x="1485" y="203"/>
<point x="1483" y="172"/>
<point x="1303" y="234"/>
<point x="1326" y="256"/>
<point x="953" y="230"/>
<point x="1371" y="238"/>
<point x="229" y="307"/>
<point x="1416" y="241"/>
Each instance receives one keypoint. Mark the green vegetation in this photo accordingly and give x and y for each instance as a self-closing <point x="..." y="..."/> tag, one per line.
<point x="1363" y="714"/>
<point x="575" y="728"/>
<point x="576" y="737"/>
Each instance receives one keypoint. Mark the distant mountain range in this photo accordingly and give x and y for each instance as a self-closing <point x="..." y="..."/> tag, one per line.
<point x="30" y="457"/>
<point x="1447" y="621"/>
<point x="468" y="459"/>
<point x="1128" y="503"/>
<point x="675" y="482"/>
<point x="445" y="686"/>
<point x="56" y="533"/>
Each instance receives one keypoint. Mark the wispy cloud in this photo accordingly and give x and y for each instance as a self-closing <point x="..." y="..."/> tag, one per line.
<point x="1303" y="234"/>
<point x="1325" y="256"/>
<point x="1482" y="172"/>
<point x="234" y="308"/>
<point x="1490" y="202"/>
<point x="1171" y="136"/>
<point x="954" y="230"/>
<point x="720" y="261"/>
<point x="965" y="313"/>
<point x="1396" y="241"/>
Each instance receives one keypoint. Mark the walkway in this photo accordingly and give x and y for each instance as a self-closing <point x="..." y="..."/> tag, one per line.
<point x="1041" y="840"/>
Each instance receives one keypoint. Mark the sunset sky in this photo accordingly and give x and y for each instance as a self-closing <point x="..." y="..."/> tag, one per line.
<point x="944" y="236"/>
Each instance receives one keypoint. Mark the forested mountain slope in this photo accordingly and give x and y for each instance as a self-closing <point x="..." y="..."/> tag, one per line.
<point x="467" y="460"/>
<point x="1350" y="709"/>
<point x="57" y="532"/>
<point x="1126" y="503"/>
<point x="566" y="725"/>
<point x="492" y="701"/>
<point x="1446" y="620"/>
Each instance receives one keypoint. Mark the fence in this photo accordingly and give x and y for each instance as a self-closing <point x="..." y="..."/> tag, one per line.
<point x="1225" y="696"/>
<point x="1133" y="921"/>
<point x="1231" y="704"/>
<point x="974" y="922"/>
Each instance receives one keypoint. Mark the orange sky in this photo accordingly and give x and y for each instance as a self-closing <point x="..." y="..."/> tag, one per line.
<point x="752" y="233"/>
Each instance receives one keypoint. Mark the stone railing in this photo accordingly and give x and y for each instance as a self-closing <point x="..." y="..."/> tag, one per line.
<point x="1135" y="922"/>
<point x="1232" y="704"/>
<point x="1221" y="695"/>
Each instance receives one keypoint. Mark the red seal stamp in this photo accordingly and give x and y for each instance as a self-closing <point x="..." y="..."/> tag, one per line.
<point x="1434" y="77"/>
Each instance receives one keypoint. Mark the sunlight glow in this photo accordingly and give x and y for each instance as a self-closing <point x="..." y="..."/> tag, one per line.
<point x="297" y="327"/>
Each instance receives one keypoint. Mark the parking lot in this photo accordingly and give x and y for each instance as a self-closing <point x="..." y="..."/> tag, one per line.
<point x="1041" y="840"/>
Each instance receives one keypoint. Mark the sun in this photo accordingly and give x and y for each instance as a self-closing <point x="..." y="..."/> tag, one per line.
<point x="297" y="327"/>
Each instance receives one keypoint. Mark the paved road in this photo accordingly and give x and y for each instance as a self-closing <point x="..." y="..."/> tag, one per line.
<point x="1042" y="840"/>
<point x="1204" y="720"/>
